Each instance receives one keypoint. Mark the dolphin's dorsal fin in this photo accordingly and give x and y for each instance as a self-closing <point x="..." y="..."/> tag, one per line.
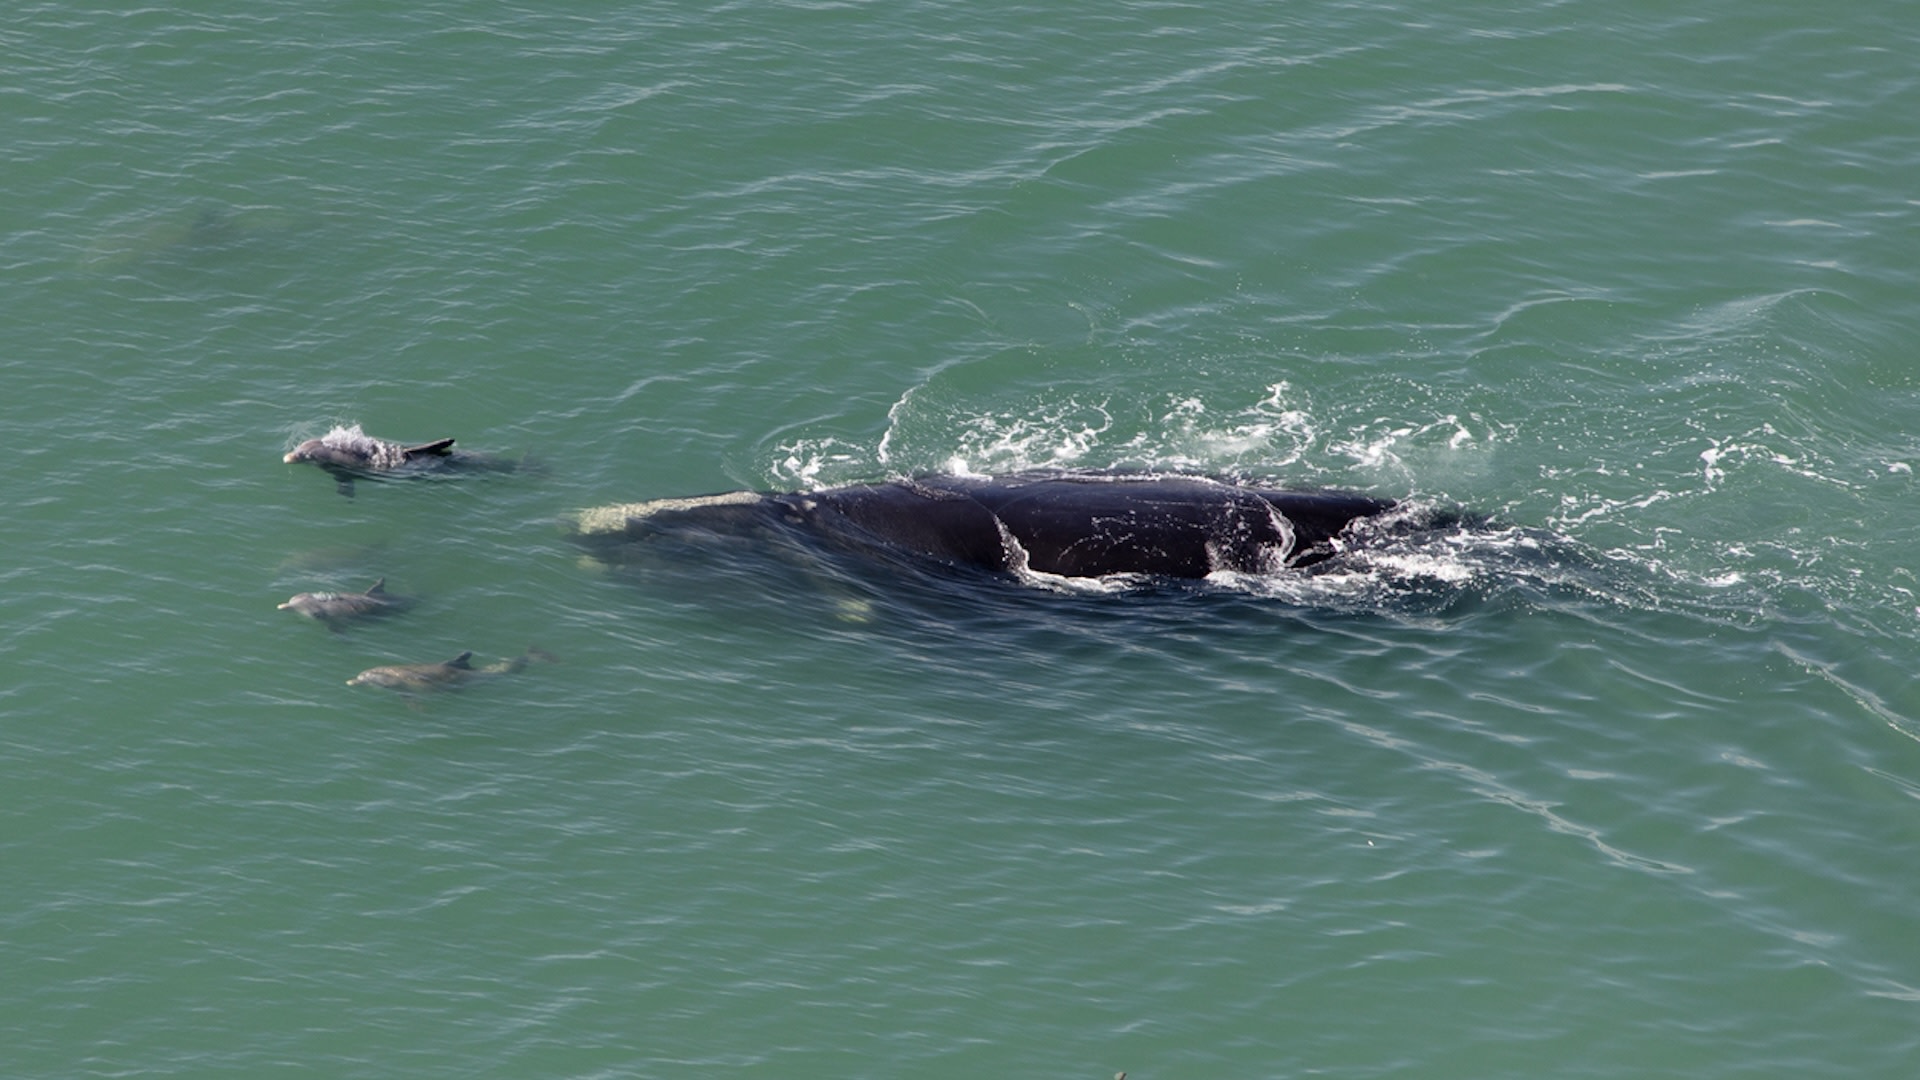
<point x="461" y="661"/>
<point x="438" y="447"/>
<point x="379" y="588"/>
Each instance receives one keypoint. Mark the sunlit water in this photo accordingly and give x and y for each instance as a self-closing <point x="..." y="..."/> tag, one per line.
<point x="1620" y="782"/>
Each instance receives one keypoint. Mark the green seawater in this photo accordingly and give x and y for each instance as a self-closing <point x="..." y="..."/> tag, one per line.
<point x="1625" y="785"/>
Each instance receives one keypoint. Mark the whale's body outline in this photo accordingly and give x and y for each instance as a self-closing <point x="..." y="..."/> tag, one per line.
<point x="1061" y="523"/>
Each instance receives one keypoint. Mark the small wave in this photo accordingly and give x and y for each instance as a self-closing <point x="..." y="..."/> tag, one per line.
<point x="1276" y="430"/>
<point x="1430" y="570"/>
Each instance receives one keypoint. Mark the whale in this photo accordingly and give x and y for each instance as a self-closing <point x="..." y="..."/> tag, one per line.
<point x="348" y="453"/>
<point x="1061" y="523"/>
<point x="335" y="608"/>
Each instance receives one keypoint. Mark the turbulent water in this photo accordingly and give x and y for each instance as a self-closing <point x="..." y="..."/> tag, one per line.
<point x="1621" y="781"/>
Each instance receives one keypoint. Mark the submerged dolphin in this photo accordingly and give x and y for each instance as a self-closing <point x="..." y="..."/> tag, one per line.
<point x="348" y="453"/>
<point x="445" y="675"/>
<point x="335" y="608"/>
<point x="1067" y="524"/>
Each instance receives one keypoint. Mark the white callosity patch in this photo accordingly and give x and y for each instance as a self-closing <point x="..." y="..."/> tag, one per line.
<point x="615" y="517"/>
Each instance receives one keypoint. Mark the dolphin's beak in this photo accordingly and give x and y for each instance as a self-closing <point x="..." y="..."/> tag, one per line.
<point x="289" y="458"/>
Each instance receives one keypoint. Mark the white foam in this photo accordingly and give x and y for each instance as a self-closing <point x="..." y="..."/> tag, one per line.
<point x="379" y="453"/>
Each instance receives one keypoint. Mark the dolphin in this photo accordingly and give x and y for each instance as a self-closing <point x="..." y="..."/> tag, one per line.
<point x="347" y="453"/>
<point x="334" y="608"/>
<point x="445" y="675"/>
<point x="196" y="237"/>
<point x="1062" y="523"/>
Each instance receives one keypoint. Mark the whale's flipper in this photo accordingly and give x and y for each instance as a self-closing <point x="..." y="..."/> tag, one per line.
<point x="344" y="485"/>
<point x="436" y="448"/>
